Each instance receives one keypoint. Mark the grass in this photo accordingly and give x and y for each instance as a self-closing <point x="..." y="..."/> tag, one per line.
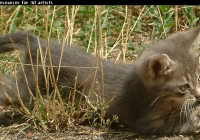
<point x="111" y="32"/>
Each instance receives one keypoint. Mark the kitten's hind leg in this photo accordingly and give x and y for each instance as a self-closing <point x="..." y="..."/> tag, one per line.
<point x="12" y="91"/>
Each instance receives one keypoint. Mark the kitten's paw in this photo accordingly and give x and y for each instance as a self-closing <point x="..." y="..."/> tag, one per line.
<point x="195" y="117"/>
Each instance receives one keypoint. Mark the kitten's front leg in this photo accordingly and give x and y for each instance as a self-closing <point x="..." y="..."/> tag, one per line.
<point x="193" y="122"/>
<point x="196" y="119"/>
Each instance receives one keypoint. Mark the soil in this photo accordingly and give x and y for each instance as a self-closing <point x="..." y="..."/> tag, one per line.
<point x="14" y="127"/>
<point x="15" y="132"/>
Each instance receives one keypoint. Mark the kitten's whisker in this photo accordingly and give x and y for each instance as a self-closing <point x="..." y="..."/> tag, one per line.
<point x="186" y="112"/>
<point x="182" y="111"/>
<point x="154" y="101"/>
<point x="189" y="110"/>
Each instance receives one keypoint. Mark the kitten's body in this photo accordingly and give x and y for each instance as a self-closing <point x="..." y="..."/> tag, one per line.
<point x="75" y="63"/>
<point x="156" y="95"/>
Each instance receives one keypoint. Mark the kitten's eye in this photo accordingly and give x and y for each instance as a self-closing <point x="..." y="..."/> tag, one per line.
<point x="199" y="79"/>
<point x="184" y="87"/>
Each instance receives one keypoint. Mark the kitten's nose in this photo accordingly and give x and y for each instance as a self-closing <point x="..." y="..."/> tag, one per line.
<point x="197" y="93"/>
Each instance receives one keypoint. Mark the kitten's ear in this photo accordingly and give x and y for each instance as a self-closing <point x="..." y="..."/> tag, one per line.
<point x="160" y="65"/>
<point x="195" y="46"/>
<point x="189" y="39"/>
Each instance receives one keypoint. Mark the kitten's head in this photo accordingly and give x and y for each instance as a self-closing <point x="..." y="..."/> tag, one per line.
<point x="170" y="72"/>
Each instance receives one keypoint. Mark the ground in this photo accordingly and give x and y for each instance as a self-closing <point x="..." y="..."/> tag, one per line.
<point x="80" y="133"/>
<point x="14" y="127"/>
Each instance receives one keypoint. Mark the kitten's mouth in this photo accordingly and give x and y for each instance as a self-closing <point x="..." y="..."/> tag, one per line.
<point x="197" y="103"/>
<point x="189" y="105"/>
